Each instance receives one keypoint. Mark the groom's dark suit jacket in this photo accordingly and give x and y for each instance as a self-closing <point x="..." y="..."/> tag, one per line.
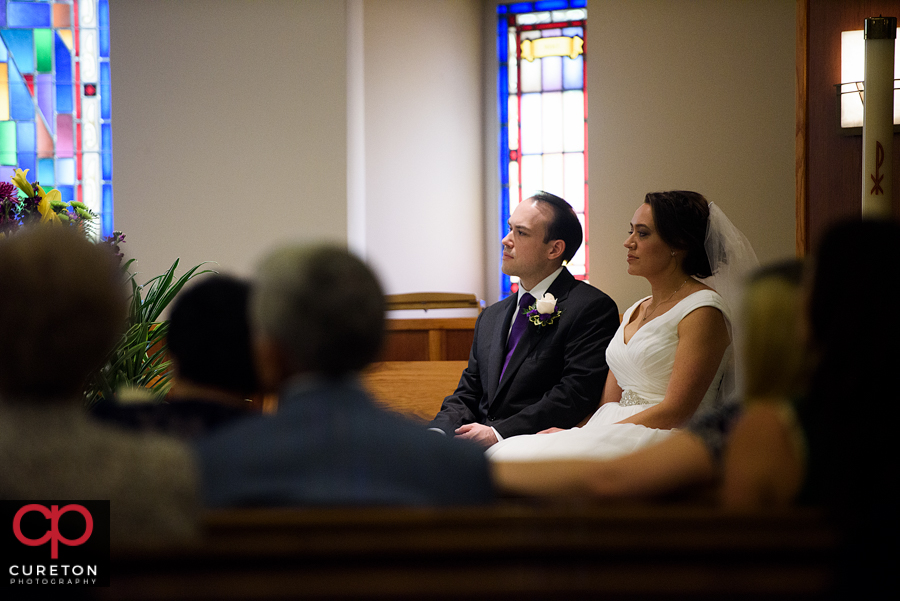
<point x="556" y="375"/>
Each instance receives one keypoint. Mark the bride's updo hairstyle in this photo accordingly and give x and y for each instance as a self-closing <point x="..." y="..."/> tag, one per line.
<point x="681" y="218"/>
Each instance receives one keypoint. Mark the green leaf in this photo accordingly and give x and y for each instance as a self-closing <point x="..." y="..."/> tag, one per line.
<point x="140" y="360"/>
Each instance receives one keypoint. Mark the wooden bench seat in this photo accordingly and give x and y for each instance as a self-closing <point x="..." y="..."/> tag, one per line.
<point x="514" y="550"/>
<point x="413" y="388"/>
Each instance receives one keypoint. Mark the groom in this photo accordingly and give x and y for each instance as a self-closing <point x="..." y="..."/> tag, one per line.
<point x="526" y="372"/>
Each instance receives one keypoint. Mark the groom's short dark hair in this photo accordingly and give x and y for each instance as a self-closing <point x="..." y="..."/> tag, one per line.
<point x="564" y="225"/>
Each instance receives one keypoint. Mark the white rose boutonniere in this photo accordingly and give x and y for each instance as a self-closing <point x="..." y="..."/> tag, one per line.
<point x="544" y="311"/>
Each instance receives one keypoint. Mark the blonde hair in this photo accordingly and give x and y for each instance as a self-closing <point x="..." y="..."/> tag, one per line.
<point x="774" y="354"/>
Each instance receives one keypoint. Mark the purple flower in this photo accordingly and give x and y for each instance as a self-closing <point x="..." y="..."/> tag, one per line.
<point x="8" y="192"/>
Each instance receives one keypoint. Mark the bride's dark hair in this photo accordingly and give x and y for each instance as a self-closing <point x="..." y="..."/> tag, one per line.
<point x="681" y="218"/>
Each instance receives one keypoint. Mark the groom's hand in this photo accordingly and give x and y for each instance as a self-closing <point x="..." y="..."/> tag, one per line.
<point x="477" y="433"/>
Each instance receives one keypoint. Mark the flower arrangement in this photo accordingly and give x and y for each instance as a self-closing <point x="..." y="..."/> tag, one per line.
<point x="544" y="311"/>
<point x="139" y="360"/>
<point x="23" y="203"/>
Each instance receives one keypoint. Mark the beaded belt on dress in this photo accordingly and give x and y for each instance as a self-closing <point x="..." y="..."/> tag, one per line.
<point x="630" y="397"/>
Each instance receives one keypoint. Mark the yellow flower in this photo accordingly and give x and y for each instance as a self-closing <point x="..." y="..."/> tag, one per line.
<point x="19" y="179"/>
<point x="48" y="215"/>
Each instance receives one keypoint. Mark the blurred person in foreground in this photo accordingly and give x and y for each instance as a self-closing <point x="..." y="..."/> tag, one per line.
<point x="209" y="345"/>
<point x="318" y="319"/>
<point x="774" y="368"/>
<point x="63" y="303"/>
<point x="839" y="451"/>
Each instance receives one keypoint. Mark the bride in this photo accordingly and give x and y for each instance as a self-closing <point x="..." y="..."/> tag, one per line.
<point x="673" y="348"/>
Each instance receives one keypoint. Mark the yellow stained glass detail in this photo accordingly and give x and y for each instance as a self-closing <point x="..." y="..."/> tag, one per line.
<point x="4" y="92"/>
<point x="66" y="36"/>
<point x="556" y="46"/>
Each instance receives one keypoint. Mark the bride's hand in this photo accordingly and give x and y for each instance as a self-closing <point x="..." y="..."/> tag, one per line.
<point x="551" y="430"/>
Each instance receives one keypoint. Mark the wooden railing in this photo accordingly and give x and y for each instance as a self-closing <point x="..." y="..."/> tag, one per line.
<point x="440" y="339"/>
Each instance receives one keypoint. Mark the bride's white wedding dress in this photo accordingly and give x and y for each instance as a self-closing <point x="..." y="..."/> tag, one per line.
<point x="642" y="368"/>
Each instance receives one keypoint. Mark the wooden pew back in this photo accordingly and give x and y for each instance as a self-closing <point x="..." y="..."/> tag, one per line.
<point x="509" y="551"/>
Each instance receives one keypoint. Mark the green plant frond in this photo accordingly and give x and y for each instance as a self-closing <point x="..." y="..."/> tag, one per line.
<point x="166" y="288"/>
<point x="167" y="295"/>
<point x="140" y="358"/>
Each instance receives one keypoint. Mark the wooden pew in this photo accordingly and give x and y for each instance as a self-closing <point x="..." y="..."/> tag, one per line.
<point x="413" y="388"/>
<point x="514" y="550"/>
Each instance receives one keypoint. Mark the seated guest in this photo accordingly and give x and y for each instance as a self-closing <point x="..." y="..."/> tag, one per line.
<point x="318" y="319"/>
<point x="773" y="362"/>
<point x="209" y="345"/>
<point x="63" y="305"/>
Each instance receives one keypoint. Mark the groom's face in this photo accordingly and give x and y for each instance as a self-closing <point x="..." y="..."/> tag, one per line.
<point x="525" y="254"/>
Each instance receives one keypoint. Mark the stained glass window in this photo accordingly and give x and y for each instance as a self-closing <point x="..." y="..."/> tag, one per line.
<point x="543" y="111"/>
<point x="55" y="99"/>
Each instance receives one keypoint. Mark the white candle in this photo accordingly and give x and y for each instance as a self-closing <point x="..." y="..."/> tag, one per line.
<point x="878" y="116"/>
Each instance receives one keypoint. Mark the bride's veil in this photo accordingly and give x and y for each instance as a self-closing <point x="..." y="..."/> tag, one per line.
<point x="731" y="260"/>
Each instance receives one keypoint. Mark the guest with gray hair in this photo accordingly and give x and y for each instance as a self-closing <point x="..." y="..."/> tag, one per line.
<point x="318" y="318"/>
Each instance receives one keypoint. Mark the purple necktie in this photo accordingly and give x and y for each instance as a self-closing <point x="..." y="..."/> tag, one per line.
<point x="518" y="328"/>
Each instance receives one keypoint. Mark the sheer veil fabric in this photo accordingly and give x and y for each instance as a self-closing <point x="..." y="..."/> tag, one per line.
<point x="731" y="260"/>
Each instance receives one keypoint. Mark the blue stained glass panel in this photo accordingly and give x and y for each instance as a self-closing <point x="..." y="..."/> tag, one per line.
<point x="103" y="18"/>
<point x="67" y="193"/>
<point x="21" y="106"/>
<point x="105" y="104"/>
<point x="106" y="142"/>
<point x="107" y="210"/>
<point x="64" y="96"/>
<point x="4" y="54"/>
<point x="25" y="135"/>
<point x="551" y="4"/>
<point x="20" y="43"/>
<point x="26" y="160"/>
<point x="521" y="7"/>
<point x="28" y="14"/>
<point x="45" y="173"/>
<point x="504" y="116"/>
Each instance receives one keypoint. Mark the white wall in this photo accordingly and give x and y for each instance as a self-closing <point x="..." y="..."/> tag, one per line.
<point x="230" y="130"/>
<point x="696" y="95"/>
<point x="423" y="164"/>
<point x="229" y="127"/>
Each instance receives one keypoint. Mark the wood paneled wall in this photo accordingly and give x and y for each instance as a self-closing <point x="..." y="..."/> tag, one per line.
<point x="829" y="165"/>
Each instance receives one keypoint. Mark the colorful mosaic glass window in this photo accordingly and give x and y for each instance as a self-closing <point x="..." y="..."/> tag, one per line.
<point x="543" y="111"/>
<point x="55" y="99"/>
